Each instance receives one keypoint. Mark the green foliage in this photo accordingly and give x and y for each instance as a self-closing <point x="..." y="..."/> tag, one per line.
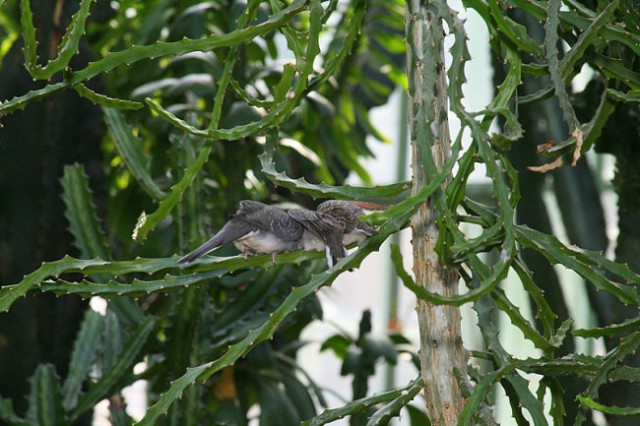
<point x="57" y="403"/>
<point x="45" y="398"/>
<point x="201" y="113"/>
<point x="80" y="212"/>
<point x="131" y="152"/>
<point x="359" y="357"/>
<point x="219" y="335"/>
<point x="392" y="399"/>
<point x="68" y="45"/>
<point x="590" y="35"/>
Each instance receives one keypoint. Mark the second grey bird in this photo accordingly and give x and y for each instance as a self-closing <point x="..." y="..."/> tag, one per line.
<point x="334" y="224"/>
<point x="255" y="227"/>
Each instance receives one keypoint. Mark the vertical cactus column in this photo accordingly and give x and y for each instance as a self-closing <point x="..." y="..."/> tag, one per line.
<point x="442" y="356"/>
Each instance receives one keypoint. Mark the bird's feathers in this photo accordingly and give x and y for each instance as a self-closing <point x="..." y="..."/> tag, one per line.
<point x="269" y="218"/>
<point x="254" y="227"/>
<point x="336" y="223"/>
<point x="261" y="228"/>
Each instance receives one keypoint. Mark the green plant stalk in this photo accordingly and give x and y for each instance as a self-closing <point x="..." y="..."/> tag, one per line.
<point x="627" y="346"/>
<point x="514" y="31"/>
<point x="392" y="408"/>
<point x="20" y="102"/>
<point x="322" y="190"/>
<point x="106" y="101"/>
<point x="551" y="44"/>
<point x="627" y="326"/>
<point x="544" y="313"/>
<point x="582" y="262"/>
<point x="437" y="298"/>
<point x="68" y="45"/>
<point x="30" y="48"/>
<point x="229" y="64"/>
<point x="516" y="387"/>
<point x="586" y="39"/>
<point x="206" y="269"/>
<point x="616" y="411"/>
<point x="331" y="415"/>
<point x="8" y="414"/>
<point x="581" y="20"/>
<point x="334" y="60"/>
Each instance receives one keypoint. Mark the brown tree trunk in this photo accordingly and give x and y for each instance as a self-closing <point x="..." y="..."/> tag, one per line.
<point x="442" y="355"/>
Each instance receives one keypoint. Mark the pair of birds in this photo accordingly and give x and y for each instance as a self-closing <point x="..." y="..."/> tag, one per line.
<point x="260" y="228"/>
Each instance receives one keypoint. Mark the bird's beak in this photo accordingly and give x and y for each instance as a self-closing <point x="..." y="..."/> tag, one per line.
<point x="368" y="206"/>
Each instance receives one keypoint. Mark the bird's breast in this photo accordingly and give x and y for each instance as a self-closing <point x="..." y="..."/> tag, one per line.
<point x="311" y="242"/>
<point x="264" y="242"/>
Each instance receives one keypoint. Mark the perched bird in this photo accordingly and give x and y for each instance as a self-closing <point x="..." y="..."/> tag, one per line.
<point x="332" y="226"/>
<point x="259" y="228"/>
<point x="255" y="227"/>
<point x="355" y="230"/>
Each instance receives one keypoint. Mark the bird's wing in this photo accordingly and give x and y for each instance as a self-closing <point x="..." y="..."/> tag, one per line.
<point x="271" y="219"/>
<point x="326" y="228"/>
<point x="309" y="220"/>
<point x="248" y="208"/>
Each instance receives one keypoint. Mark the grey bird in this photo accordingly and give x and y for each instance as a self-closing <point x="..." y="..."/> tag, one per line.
<point x="255" y="227"/>
<point x="332" y="226"/>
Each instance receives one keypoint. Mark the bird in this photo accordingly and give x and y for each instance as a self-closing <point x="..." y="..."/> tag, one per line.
<point x="332" y="226"/>
<point x="260" y="228"/>
<point x="255" y="227"/>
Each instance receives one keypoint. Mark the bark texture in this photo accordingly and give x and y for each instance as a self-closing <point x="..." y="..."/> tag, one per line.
<point x="442" y="355"/>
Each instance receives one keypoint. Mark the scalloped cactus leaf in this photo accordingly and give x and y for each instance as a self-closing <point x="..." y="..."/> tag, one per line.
<point x="81" y="213"/>
<point x="322" y="190"/>
<point x="106" y="101"/>
<point x="85" y="352"/>
<point x="7" y="413"/>
<point x="331" y="415"/>
<point x="131" y="151"/>
<point x="129" y="354"/>
<point x="45" y="398"/>
<point x="68" y="45"/>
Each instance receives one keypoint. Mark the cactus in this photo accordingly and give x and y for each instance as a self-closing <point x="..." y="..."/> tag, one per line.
<point x="267" y="130"/>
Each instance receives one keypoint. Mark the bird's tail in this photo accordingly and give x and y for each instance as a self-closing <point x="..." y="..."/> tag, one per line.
<point x="229" y="232"/>
<point x="200" y="251"/>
